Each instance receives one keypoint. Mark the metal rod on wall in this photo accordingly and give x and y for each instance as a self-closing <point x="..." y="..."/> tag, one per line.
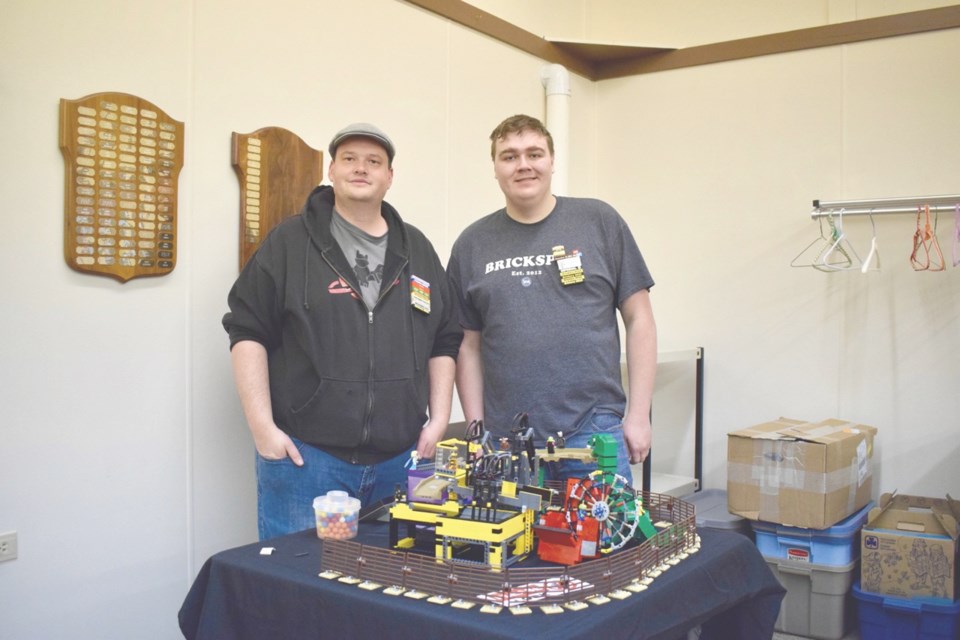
<point x="883" y="205"/>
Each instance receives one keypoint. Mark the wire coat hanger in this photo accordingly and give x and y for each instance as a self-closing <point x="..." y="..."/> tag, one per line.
<point x="956" y="235"/>
<point x="823" y="241"/>
<point x="845" y="262"/>
<point x="926" y="254"/>
<point x="874" y="253"/>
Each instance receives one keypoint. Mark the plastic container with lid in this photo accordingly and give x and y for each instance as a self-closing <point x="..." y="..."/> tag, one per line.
<point x="889" y="618"/>
<point x="838" y="545"/>
<point x="818" y="602"/>
<point x="712" y="512"/>
<point x="337" y="515"/>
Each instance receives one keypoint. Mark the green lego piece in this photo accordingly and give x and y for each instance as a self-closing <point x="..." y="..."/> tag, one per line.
<point x="645" y="527"/>
<point x="607" y="464"/>
<point x="605" y="451"/>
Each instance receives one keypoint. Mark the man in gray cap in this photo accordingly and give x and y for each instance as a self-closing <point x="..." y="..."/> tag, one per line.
<point x="344" y="339"/>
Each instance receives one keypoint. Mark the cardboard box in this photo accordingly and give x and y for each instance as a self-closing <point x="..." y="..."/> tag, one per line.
<point x="909" y="548"/>
<point x="801" y="474"/>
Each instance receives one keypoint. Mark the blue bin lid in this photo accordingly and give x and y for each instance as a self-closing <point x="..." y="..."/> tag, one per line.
<point x="920" y="605"/>
<point x="843" y="529"/>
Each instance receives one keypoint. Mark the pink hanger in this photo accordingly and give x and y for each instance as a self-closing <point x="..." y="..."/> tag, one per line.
<point x="925" y="245"/>
<point x="956" y="235"/>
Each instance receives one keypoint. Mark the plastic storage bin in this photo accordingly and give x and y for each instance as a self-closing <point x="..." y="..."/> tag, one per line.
<point x="711" y="506"/>
<point x="818" y="603"/>
<point x="888" y="618"/>
<point x="838" y="545"/>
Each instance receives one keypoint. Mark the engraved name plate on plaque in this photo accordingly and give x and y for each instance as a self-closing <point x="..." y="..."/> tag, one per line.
<point x="277" y="171"/>
<point x="122" y="158"/>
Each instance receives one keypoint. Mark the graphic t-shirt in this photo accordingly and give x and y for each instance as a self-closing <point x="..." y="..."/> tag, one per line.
<point x="548" y="349"/>
<point x="364" y="252"/>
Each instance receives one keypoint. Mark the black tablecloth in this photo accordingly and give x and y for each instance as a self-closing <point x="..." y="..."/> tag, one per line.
<point x="240" y="594"/>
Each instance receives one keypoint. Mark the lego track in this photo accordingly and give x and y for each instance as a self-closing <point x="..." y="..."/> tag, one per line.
<point x="418" y="575"/>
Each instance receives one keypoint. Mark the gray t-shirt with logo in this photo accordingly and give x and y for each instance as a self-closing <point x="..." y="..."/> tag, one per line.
<point x="364" y="252"/>
<point x="548" y="349"/>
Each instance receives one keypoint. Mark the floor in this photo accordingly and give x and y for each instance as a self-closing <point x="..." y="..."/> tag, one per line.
<point x="853" y="635"/>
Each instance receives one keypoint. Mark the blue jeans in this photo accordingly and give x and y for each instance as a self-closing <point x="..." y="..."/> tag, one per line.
<point x="285" y="492"/>
<point x="598" y="420"/>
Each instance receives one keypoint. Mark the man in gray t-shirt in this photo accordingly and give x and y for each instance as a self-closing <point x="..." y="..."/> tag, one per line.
<point x="540" y="283"/>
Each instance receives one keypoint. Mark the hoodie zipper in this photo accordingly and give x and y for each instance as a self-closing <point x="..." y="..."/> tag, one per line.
<point x="365" y="432"/>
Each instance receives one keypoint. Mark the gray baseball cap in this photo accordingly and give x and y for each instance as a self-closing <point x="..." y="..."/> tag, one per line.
<point x="362" y="130"/>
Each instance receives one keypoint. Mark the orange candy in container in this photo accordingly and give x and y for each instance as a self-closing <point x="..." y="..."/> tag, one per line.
<point x="337" y="515"/>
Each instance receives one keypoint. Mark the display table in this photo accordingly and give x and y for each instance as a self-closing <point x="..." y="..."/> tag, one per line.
<point x="726" y="588"/>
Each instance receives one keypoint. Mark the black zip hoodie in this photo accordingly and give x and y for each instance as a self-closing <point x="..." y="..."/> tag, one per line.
<point x="349" y="380"/>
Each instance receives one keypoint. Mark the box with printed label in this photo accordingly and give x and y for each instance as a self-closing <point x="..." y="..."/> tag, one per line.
<point x="909" y="548"/>
<point x="801" y="474"/>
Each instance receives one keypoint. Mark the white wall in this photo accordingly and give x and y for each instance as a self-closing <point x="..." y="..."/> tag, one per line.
<point x="93" y="463"/>
<point x="124" y="460"/>
<point x="715" y="167"/>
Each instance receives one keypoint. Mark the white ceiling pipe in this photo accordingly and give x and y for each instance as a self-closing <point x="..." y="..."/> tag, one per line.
<point x="556" y="81"/>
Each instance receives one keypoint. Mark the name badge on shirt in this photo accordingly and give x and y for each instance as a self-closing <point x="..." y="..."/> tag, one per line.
<point x="419" y="294"/>
<point x="571" y="268"/>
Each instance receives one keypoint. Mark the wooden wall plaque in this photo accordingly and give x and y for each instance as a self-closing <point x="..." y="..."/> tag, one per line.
<point x="277" y="171"/>
<point x="122" y="159"/>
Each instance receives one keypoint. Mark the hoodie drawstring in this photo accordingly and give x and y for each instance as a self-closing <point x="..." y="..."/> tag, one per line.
<point x="306" y="272"/>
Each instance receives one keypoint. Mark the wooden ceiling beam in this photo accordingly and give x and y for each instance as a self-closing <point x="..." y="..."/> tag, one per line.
<point x="787" y="41"/>
<point x="602" y="62"/>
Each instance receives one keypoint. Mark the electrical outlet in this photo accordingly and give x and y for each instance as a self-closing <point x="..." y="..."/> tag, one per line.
<point x="8" y="545"/>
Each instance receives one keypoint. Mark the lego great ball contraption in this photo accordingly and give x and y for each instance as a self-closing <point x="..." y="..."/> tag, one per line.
<point x="483" y="506"/>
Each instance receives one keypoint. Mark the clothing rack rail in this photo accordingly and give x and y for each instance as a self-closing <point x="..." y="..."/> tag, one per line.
<point x="823" y="208"/>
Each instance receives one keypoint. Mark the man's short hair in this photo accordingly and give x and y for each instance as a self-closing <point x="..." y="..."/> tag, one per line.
<point x="518" y="124"/>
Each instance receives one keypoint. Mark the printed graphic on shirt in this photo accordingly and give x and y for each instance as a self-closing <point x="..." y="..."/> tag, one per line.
<point x="519" y="264"/>
<point x="529" y="267"/>
<point x="366" y="276"/>
<point x="340" y="286"/>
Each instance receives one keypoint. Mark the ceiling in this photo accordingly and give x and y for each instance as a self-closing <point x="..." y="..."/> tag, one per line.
<point x="599" y="61"/>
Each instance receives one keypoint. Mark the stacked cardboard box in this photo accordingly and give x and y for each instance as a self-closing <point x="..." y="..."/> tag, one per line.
<point x="807" y="486"/>
<point x="909" y="548"/>
<point x="908" y="571"/>
<point x="801" y="474"/>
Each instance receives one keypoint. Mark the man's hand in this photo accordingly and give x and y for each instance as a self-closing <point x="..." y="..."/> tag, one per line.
<point x="274" y="444"/>
<point x="638" y="436"/>
<point x="430" y="435"/>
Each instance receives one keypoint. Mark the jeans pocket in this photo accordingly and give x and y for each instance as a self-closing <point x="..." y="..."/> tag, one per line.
<point x="284" y="460"/>
<point x="597" y="420"/>
<point x="604" y="421"/>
